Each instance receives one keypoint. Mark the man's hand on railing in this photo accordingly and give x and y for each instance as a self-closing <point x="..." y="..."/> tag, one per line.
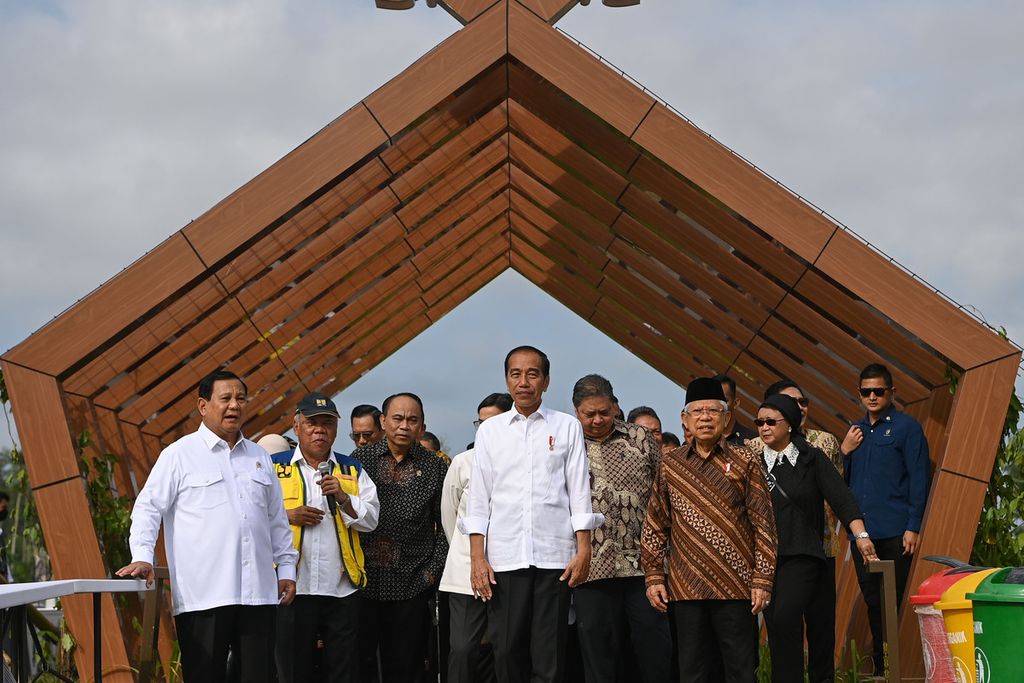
<point x="136" y="570"/>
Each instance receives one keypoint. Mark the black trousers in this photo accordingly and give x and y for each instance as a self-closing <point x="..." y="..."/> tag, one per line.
<point x="699" y="623"/>
<point x="602" y="607"/>
<point x="871" y="587"/>
<point x="799" y="581"/>
<point x="335" y="621"/>
<point x="397" y="630"/>
<point x="470" y="659"/>
<point x="206" y="636"/>
<point x="821" y="626"/>
<point x="527" y="621"/>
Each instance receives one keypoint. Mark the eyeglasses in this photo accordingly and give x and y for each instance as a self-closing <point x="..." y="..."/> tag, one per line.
<point x="770" y="421"/>
<point x="356" y="436"/>
<point x="477" y="423"/>
<point x="802" y="401"/>
<point x="877" y="391"/>
<point x="713" y="412"/>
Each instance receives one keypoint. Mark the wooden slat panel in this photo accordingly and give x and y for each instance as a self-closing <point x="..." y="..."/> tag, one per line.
<point x="701" y="248"/>
<point x="137" y="344"/>
<point x="455" y="298"/>
<point x="585" y="296"/>
<point x="979" y="411"/>
<point x="477" y="260"/>
<point x="463" y="205"/>
<point x="438" y="260"/>
<point x="731" y="330"/>
<point x="567" y="153"/>
<point x="728" y="293"/>
<point x="298" y="266"/>
<point x="480" y="95"/>
<point x="562" y="183"/>
<point x="65" y="518"/>
<point x="584" y="248"/>
<point x="453" y="183"/>
<point x="575" y="72"/>
<point x="566" y="214"/>
<point x="734" y="182"/>
<point x="39" y="414"/>
<point x="276" y="191"/>
<point x="452" y="153"/>
<point x="718" y="219"/>
<point x="105" y="313"/>
<point x="949" y="331"/>
<point x="817" y="292"/>
<point x="440" y="72"/>
<point x="579" y="125"/>
<point x="141" y="454"/>
<point x="556" y="250"/>
<point x="795" y="312"/>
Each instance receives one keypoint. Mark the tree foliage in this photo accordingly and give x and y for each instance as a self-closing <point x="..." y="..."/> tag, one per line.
<point x="1000" y="538"/>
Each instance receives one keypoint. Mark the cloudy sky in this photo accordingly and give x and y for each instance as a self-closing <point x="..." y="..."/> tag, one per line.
<point x="120" y="122"/>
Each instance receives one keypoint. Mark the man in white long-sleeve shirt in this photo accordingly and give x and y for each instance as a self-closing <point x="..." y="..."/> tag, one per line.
<point x="529" y="497"/>
<point x="225" y="529"/>
<point x="331" y="569"/>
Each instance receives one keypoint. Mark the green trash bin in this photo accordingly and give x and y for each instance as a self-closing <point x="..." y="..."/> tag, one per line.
<point x="998" y="625"/>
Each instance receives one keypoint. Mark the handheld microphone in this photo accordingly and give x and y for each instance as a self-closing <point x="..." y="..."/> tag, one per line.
<point x="324" y="469"/>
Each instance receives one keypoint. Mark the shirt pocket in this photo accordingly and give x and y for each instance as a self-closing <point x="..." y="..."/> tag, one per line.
<point x="259" y="488"/>
<point x="205" y="490"/>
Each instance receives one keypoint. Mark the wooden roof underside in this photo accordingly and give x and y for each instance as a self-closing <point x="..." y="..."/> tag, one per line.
<point x="506" y="146"/>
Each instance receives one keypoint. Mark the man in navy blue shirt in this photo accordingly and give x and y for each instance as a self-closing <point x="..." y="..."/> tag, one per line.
<point x="887" y="469"/>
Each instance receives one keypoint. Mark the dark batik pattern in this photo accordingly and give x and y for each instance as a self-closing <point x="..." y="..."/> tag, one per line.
<point x="622" y="470"/>
<point x="405" y="554"/>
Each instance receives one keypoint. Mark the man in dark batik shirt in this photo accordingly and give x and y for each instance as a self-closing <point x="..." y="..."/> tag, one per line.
<point x="405" y="555"/>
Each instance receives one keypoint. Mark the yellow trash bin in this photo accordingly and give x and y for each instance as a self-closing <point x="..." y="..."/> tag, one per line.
<point x="958" y="614"/>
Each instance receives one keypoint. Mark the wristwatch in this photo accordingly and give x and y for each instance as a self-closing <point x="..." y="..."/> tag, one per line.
<point x="861" y="535"/>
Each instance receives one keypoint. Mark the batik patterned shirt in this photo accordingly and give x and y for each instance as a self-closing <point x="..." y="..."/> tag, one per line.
<point x="712" y="516"/>
<point x="622" y="470"/>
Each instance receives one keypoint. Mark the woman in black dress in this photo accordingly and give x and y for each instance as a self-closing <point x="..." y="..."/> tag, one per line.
<point x="801" y="479"/>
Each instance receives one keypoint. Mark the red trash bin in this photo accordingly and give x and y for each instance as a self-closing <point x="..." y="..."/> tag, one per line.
<point x="938" y="662"/>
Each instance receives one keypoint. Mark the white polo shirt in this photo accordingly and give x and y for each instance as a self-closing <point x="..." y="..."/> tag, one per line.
<point x="529" y="489"/>
<point x="224" y="523"/>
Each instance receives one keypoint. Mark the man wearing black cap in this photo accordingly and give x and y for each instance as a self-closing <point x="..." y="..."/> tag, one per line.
<point x="329" y="499"/>
<point x="711" y="506"/>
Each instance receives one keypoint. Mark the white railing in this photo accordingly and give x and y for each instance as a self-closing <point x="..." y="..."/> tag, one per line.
<point x="16" y="597"/>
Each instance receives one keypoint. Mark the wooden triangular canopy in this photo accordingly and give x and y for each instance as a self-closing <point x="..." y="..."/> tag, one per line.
<point x="506" y="146"/>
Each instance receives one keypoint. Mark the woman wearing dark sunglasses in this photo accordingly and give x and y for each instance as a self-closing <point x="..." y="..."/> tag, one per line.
<point x="801" y="480"/>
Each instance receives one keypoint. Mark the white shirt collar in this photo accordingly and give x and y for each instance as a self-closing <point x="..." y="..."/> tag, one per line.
<point x="541" y="413"/>
<point x="212" y="440"/>
<point x="298" y="456"/>
<point x="771" y="457"/>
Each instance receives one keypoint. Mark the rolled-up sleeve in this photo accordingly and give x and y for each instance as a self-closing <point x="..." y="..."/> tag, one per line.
<point x="577" y="480"/>
<point x="366" y="506"/>
<point x="481" y="486"/>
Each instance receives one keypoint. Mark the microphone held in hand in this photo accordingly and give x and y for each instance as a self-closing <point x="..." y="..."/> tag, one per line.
<point x="324" y="469"/>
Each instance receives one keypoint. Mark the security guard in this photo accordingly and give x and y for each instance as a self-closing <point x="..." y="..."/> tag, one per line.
<point x="329" y="500"/>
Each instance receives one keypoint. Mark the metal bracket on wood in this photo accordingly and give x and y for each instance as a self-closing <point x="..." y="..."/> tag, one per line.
<point x="890" y="623"/>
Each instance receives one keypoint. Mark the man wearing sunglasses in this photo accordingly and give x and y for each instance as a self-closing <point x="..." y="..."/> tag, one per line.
<point x="888" y="472"/>
<point x="366" y="429"/>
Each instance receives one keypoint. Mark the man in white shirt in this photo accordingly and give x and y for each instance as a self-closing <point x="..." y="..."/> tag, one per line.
<point x="331" y="569"/>
<point x="225" y="529"/>
<point x="468" y="661"/>
<point x="530" y="499"/>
